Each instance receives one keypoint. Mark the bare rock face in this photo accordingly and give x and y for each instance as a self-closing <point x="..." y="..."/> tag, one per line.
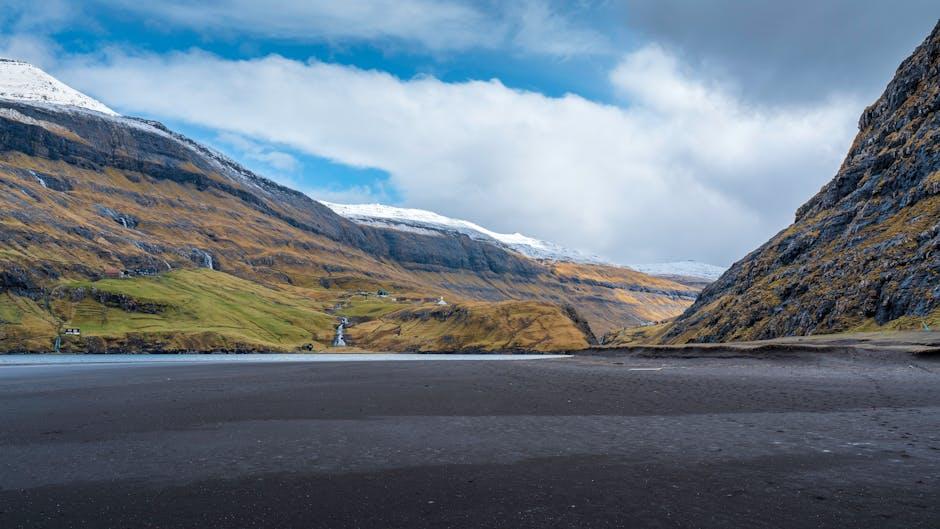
<point x="865" y="249"/>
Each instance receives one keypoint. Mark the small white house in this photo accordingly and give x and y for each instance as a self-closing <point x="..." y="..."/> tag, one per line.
<point x="441" y="301"/>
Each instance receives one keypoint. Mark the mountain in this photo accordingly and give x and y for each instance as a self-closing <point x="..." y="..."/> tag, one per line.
<point x="864" y="253"/>
<point x="24" y="82"/>
<point x="430" y="223"/>
<point x="145" y="240"/>
<point x="427" y="222"/>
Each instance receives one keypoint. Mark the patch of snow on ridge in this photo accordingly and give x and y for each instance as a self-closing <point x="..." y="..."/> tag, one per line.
<point x="421" y="221"/>
<point x="681" y="268"/>
<point x="22" y="81"/>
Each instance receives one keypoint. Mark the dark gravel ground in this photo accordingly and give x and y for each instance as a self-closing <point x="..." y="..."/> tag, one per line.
<point x="797" y="441"/>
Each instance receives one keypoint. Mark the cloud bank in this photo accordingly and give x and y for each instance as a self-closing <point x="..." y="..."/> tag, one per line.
<point x="680" y="169"/>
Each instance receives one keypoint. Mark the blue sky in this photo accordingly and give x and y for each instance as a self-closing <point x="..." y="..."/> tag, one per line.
<point x="635" y="130"/>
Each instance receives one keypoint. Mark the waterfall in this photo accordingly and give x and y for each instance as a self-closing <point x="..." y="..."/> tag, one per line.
<point x="339" y="341"/>
<point x="41" y="181"/>
<point x="124" y="222"/>
<point x="206" y="258"/>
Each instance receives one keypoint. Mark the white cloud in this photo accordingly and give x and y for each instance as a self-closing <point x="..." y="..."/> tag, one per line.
<point x="259" y="152"/>
<point x="542" y="29"/>
<point x="438" y="25"/>
<point x="360" y="194"/>
<point x="27" y="16"/>
<point x="35" y="50"/>
<point x="681" y="170"/>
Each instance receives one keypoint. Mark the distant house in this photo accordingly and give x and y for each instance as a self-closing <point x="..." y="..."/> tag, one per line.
<point x="383" y="293"/>
<point x="114" y="273"/>
<point x="72" y="332"/>
<point x="441" y="301"/>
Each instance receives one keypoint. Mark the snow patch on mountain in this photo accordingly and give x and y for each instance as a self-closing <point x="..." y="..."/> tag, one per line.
<point x="427" y="222"/>
<point x="681" y="268"/>
<point x="22" y="81"/>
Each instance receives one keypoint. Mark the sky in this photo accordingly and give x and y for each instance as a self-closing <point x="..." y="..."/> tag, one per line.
<point x="636" y="130"/>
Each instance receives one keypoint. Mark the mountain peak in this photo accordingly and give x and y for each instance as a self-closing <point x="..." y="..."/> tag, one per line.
<point x="21" y="81"/>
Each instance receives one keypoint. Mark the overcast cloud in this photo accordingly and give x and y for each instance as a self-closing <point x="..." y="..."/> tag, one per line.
<point x="790" y="50"/>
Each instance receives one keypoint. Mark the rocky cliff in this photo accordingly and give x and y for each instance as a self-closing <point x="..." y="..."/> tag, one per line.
<point x="865" y="251"/>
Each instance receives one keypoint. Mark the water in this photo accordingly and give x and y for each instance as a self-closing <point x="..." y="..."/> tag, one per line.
<point x="91" y="359"/>
<point x="339" y="341"/>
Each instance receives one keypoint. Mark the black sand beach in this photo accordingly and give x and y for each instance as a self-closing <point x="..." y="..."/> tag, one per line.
<point x="797" y="441"/>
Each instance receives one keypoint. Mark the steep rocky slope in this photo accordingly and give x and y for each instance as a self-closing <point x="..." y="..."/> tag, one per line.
<point x="85" y="194"/>
<point x="865" y="251"/>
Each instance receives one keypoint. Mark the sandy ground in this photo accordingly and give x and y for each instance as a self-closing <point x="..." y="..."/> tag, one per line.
<point x="924" y="343"/>
<point x="794" y="441"/>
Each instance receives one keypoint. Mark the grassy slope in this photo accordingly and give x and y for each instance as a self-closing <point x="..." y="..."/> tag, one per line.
<point x="24" y="324"/>
<point x="209" y="310"/>
<point x="199" y="309"/>
<point x="203" y="301"/>
<point x="472" y="326"/>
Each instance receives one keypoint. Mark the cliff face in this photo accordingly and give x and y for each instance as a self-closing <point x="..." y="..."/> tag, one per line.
<point x="865" y="251"/>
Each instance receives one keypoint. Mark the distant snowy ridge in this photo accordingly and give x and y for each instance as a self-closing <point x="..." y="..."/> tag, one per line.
<point x="681" y="268"/>
<point x="430" y="223"/>
<point x="22" y="81"/>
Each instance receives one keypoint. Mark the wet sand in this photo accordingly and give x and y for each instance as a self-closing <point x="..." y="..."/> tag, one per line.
<point x="595" y="441"/>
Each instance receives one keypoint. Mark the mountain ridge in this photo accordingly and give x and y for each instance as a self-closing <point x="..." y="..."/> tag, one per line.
<point x="425" y="221"/>
<point x="863" y="252"/>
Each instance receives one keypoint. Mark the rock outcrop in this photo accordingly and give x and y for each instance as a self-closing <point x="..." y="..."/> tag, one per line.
<point x="865" y="251"/>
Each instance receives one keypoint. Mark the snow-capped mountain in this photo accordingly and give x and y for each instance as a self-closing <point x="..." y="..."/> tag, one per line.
<point x="22" y="81"/>
<point x="430" y="223"/>
<point x="681" y="268"/>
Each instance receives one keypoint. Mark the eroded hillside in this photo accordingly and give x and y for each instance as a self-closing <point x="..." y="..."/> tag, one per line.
<point x="864" y="253"/>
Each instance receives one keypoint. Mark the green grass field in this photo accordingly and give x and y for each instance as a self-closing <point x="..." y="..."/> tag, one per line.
<point x="197" y="302"/>
<point x="368" y="307"/>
